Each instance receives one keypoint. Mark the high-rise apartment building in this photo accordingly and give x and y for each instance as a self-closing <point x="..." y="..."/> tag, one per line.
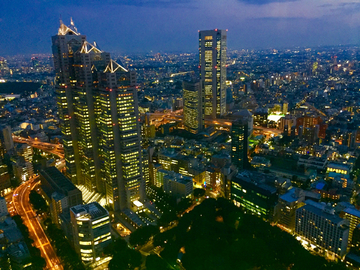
<point x="97" y="104"/>
<point x="193" y="106"/>
<point x="212" y="61"/>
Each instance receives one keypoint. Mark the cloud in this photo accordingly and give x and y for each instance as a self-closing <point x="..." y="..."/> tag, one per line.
<point x="264" y="2"/>
<point x="152" y="3"/>
<point x="325" y="5"/>
<point x="136" y="3"/>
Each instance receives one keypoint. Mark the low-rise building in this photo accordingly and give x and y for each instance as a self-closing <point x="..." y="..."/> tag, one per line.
<point x="339" y="168"/>
<point x="312" y="162"/>
<point x="254" y="196"/>
<point x="178" y="186"/>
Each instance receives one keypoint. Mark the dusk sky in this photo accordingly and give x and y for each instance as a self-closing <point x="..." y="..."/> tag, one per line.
<point x="172" y="25"/>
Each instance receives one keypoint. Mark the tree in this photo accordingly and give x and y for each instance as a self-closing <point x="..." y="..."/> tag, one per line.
<point x="183" y="205"/>
<point x="134" y="258"/>
<point x="154" y="262"/>
<point x="4" y="262"/>
<point x="218" y="235"/>
<point x="68" y="256"/>
<point x="38" y="201"/>
<point x="199" y="192"/>
<point x="166" y="218"/>
<point x="123" y="258"/>
<point x="14" y="182"/>
<point x="142" y="235"/>
<point x="37" y="261"/>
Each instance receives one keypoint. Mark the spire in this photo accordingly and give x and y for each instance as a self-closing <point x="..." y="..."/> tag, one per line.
<point x="61" y="22"/>
<point x="88" y="47"/>
<point x="113" y="67"/>
<point x="65" y="30"/>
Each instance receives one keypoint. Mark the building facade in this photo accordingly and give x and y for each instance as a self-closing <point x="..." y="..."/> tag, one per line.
<point x="212" y="62"/>
<point x="6" y="140"/>
<point x="353" y="215"/>
<point x="59" y="192"/>
<point x="257" y="198"/>
<point x="193" y="106"/>
<point x="319" y="225"/>
<point x="178" y="185"/>
<point x="287" y="205"/>
<point x="239" y="143"/>
<point x="97" y="104"/>
<point x="91" y="232"/>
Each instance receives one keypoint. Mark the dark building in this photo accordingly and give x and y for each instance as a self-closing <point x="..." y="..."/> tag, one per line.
<point x="4" y="178"/>
<point x="239" y="143"/>
<point x="261" y="117"/>
<point x="59" y="192"/>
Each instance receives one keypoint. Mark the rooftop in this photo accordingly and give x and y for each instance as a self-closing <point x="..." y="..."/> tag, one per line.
<point x="179" y="178"/>
<point x="291" y="196"/>
<point x="57" y="180"/>
<point x="338" y="165"/>
<point x="94" y="210"/>
<point x="352" y="211"/>
<point x="321" y="210"/>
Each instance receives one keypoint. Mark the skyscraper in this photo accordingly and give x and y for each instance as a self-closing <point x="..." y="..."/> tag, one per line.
<point x="239" y="143"/>
<point x="193" y="106"/>
<point x="6" y="140"/>
<point x="97" y="104"/>
<point x="212" y="61"/>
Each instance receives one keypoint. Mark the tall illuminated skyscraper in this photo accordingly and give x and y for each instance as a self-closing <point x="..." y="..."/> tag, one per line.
<point x="193" y="106"/>
<point x="97" y="104"/>
<point x="212" y="61"/>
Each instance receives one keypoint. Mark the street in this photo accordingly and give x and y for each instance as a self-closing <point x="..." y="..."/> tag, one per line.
<point x="20" y="202"/>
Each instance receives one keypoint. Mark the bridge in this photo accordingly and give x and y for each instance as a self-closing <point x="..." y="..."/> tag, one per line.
<point x="56" y="149"/>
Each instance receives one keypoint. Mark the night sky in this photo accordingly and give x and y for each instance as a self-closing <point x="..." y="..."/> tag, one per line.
<point x="122" y="26"/>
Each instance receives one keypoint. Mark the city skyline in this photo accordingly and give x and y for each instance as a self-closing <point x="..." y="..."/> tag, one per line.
<point x="172" y="25"/>
<point x="225" y="159"/>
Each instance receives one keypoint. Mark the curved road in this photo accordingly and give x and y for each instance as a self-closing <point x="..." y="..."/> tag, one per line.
<point x="20" y="201"/>
<point x="53" y="148"/>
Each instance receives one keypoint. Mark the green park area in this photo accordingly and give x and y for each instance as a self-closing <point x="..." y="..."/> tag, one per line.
<point x="218" y="235"/>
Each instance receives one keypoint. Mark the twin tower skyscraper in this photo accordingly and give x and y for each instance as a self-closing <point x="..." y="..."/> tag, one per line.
<point x="98" y="109"/>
